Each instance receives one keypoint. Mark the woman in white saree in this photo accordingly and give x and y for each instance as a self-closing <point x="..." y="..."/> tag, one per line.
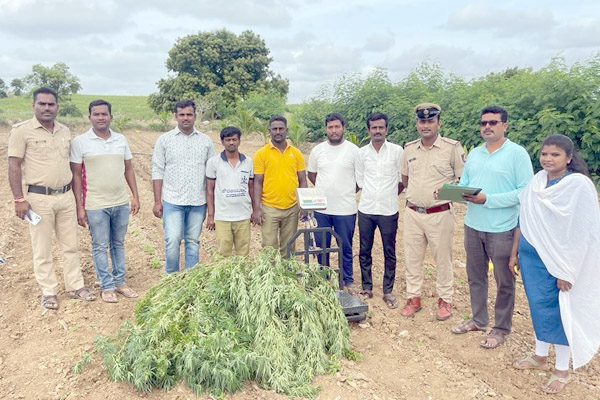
<point x="558" y="250"/>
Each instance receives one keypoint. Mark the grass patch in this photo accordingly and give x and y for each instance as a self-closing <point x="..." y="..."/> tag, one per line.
<point x="124" y="108"/>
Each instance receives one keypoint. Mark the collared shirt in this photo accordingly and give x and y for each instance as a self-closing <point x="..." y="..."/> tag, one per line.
<point x="104" y="168"/>
<point x="335" y="166"/>
<point x="45" y="154"/>
<point x="180" y="161"/>
<point x="378" y="175"/>
<point x="429" y="168"/>
<point x="280" y="174"/>
<point x="501" y="176"/>
<point x="232" y="197"/>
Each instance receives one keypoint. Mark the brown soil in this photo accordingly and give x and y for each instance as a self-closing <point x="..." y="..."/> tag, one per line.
<point x="403" y="358"/>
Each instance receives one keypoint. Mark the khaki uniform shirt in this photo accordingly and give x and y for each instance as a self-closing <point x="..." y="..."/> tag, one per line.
<point x="429" y="168"/>
<point x="45" y="154"/>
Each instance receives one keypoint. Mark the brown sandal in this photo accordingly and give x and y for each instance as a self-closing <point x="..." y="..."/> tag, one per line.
<point x="82" y="294"/>
<point x="390" y="300"/>
<point x="467" y="326"/>
<point x="496" y="335"/>
<point x="109" y="296"/>
<point x="126" y="291"/>
<point x="50" y="302"/>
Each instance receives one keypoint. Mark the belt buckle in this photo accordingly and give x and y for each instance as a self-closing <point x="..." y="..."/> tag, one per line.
<point x="52" y="191"/>
<point x="421" y="210"/>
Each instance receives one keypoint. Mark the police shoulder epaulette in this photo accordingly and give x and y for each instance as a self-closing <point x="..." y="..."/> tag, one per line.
<point x="451" y="141"/>
<point x="18" y="124"/>
<point x="413" y="142"/>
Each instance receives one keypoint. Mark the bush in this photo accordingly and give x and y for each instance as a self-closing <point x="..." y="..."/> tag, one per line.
<point x="69" y="110"/>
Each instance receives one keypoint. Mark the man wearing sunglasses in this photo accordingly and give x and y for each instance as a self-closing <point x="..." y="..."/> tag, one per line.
<point x="501" y="169"/>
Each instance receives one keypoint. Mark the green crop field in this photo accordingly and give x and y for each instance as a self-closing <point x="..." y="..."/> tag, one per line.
<point x="128" y="111"/>
<point x="134" y="107"/>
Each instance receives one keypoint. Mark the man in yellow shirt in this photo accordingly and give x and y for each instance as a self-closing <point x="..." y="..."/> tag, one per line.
<point x="278" y="172"/>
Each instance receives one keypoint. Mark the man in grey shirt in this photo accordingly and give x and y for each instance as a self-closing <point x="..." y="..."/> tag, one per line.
<point x="178" y="181"/>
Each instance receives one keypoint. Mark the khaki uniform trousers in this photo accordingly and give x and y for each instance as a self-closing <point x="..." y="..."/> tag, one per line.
<point x="278" y="226"/>
<point x="437" y="230"/>
<point x="58" y="214"/>
<point x="233" y="233"/>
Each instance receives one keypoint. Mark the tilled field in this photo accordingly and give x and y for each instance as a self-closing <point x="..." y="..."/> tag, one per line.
<point x="403" y="358"/>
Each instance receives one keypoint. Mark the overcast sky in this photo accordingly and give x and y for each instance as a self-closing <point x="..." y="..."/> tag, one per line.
<point x="120" y="47"/>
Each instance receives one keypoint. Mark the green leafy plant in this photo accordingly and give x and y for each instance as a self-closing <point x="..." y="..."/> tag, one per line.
<point x="155" y="263"/>
<point x="166" y="120"/>
<point x="149" y="249"/>
<point x="122" y="122"/>
<point x="272" y="320"/>
<point x="297" y="132"/>
<point x="85" y="359"/>
<point x="246" y="121"/>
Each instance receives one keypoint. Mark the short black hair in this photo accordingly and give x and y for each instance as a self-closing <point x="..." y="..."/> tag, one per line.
<point x="45" y="90"/>
<point x="185" y="103"/>
<point x="334" y="117"/>
<point x="230" y="131"/>
<point x="278" y="118"/>
<point x="496" y="110"/>
<point x="376" y="116"/>
<point x="100" y="102"/>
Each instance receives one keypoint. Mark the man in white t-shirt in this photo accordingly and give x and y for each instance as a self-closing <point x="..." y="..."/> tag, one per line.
<point x="330" y="168"/>
<point x="230" y="195"/>
<point x="104" y="205"/>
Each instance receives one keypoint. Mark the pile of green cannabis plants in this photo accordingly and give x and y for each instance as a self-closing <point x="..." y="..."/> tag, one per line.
<point x="271" y="320"/>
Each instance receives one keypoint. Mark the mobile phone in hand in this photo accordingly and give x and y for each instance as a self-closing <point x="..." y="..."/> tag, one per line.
<point x="32" y="217"/>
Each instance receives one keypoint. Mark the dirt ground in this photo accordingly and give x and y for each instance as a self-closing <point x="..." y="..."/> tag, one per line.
<point x="403" y="358"/>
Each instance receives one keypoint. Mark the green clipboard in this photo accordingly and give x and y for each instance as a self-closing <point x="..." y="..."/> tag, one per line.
<point x="455" y="192"/>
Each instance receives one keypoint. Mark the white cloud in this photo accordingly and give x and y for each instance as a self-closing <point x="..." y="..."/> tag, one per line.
<point x="43" y="20"/>
<point x="380" y="42"/>
<point x="576" y="33"/>
<point x="505" y="22"/>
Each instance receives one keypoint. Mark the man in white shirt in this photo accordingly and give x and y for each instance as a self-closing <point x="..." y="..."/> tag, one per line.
<point x="330" y="168"/>
<point x="178" y="182"/>
<point x="378" y="175"/>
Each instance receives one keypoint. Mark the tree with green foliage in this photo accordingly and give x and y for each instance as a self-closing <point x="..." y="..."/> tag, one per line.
<point x="58" y="78"/>
<point x="264" y="103"/>
<point x="3" y="89"/>
<point x="218" y="66"/>
<point x="554" y="99"/>
<point x="18" y="86"/>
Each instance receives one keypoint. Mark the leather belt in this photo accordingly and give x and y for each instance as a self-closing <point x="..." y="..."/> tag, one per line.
<point x="48" y="190"/>
<point x="432" y="210"/>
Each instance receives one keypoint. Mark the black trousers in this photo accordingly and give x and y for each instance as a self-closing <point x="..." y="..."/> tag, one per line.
<point x="388" y="226"/>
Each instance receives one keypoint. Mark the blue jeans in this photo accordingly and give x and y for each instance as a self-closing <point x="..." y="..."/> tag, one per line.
<point x="108" y="227"/>
<point x="343" y="225"/>
<point x="182" y="222"/>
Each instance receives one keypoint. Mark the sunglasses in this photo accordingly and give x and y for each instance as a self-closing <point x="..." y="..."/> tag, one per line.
<point x="490" y="123"/>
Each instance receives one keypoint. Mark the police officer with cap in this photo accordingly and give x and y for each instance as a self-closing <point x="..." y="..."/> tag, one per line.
<point x="426" y="164"/>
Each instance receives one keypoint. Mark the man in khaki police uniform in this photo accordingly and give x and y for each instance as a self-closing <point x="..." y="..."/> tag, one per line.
<point x="41" y="146"/>
<point x="426" y="164"/>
